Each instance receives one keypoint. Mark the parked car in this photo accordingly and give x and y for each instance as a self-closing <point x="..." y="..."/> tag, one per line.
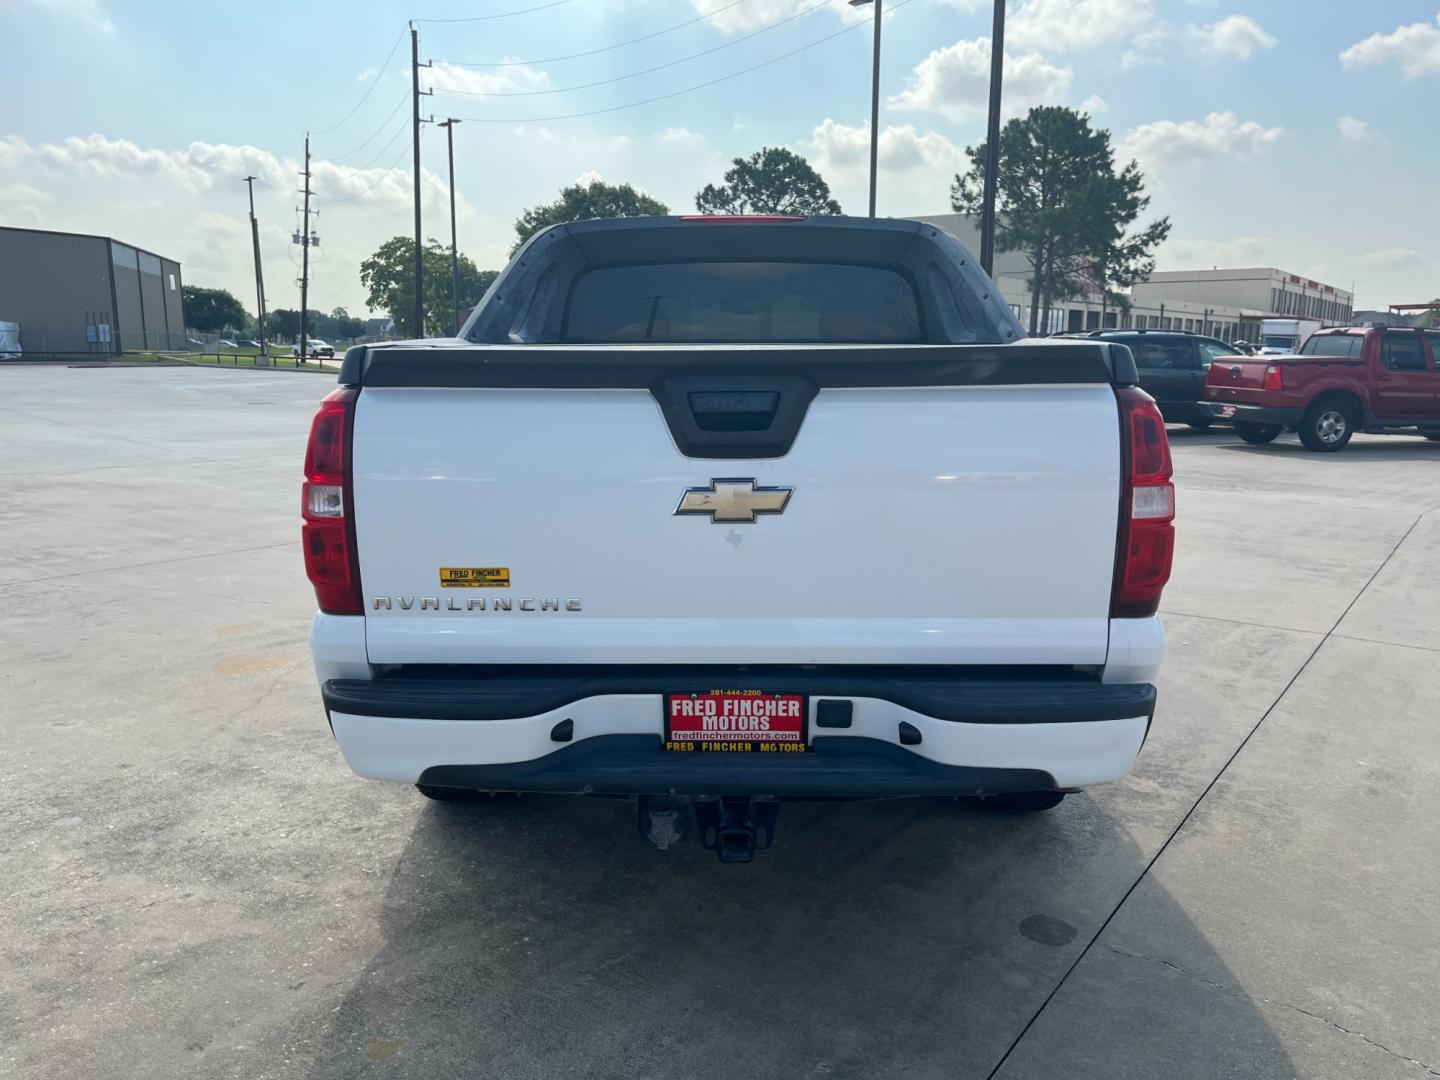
<point x="315" y="347"/>
<point x="249" y="344"/>
<point x="677" y="388"/>
<point x="1172" y="366"/>
<point x="1380" y="381"/>
<point x="224" y="344"/>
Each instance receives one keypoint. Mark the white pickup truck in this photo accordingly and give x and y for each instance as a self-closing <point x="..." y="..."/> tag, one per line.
<point x="714" y="513"/>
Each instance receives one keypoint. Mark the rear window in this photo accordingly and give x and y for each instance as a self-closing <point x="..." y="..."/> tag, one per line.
<point x="1333" y="345"/>
<point x="742" y="301"/>
<point x="1165" y="354"/>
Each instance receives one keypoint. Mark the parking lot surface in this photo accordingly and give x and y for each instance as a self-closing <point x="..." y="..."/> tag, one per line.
<point x="193" y="885"/>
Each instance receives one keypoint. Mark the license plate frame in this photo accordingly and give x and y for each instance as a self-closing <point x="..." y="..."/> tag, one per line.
<point x="734" y="732"/>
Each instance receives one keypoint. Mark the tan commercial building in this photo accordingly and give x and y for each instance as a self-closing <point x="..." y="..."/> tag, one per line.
<point x="1265" y="288"/>
<point x="1227" y="304"/>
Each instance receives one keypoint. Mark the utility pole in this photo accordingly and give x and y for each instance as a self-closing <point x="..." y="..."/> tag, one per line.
<point x="449" y="126"/>
<point x="415" y="134"/>
<point x="259" y="275"/>
<point x="305" y="256"/>
<point x="874" y="100"/>
<point x="992" y="141"/>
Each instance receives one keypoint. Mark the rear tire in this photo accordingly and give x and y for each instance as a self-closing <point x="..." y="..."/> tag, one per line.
<point x="1257" y="434"/>
<point x="448" y="794"/>
<point x="1328" y="425"/>
<point x="1020" y="802"/>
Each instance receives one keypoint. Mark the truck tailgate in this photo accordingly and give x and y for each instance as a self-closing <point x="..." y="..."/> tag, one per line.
<point x="970" y="524"/>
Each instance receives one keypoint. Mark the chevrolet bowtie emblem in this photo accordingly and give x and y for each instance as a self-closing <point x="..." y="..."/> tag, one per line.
<point x="731" y="501"/>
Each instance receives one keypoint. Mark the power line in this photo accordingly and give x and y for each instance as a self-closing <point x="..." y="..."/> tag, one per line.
<point x="384" y="175"/>
<point x="355" y="171"/>
<point x="498" y="15"/>
<point x="351" y="153"/>
<point x="644" y="71"/>
<point x="368" y="91"/>
<point x="677" y="93"/>
<point x="603" y="48"/>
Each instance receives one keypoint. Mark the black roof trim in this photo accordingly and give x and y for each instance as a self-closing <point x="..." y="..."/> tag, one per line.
<point x="451" y="364"/>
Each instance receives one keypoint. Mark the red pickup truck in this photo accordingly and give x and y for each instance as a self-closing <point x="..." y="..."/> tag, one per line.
<point x="1385" y="382"/>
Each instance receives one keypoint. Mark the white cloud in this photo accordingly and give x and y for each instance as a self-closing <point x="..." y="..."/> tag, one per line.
<point x="588" y="177"/>
<point x="680" y="138"/>
<point x="196" y="168"/>
<point x="757" y="13"/>
<point x="955" y="82"/>
<point x="915" y="167"/>
<point x="841" y="148"/>
<point x="13" y="150"/>
<point x="1218" y="135"/>
<point x="514" y="80"/>
<point x="1392" y="258"/>
<point x="21" y="204"/>
<point x="1354" y="130"/>
<point x="86" y="13"/>
<point x="1236" y="36"/>
<point x="1146" y="48"/>
<point x="1416" y="48"/>
<point x="1058" y="25"/>
<point x="1094" y="105"/>
<point x="368" y="74"/>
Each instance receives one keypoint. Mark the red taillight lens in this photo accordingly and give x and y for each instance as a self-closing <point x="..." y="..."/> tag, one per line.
<point x="328" y="534"/>
<point x="1146" y="541"/>
<point x="1274" y="378"/>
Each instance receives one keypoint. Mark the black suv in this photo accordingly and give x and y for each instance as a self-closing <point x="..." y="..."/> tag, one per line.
<point x="1173" y="365"/>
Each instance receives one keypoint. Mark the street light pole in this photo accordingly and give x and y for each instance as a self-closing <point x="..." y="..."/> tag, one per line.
<point x="874" y="100"/>
<point x="992" y="141"/>
<point x="449" y="126"/>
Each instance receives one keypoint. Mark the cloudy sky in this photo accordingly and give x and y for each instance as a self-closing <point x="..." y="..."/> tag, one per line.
<point x="1297" y="133"/>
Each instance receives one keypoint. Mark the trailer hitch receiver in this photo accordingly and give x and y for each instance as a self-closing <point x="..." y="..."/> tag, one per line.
<point x="736" y="826"/>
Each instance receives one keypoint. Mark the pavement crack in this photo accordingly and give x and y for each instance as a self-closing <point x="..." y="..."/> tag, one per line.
<point x="1185" y="818"/>
<point x="1238" y="994"/>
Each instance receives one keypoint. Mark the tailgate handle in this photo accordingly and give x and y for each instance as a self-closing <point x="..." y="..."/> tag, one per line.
<point x="723" y="415"/>
<point x="733" y="410"/>
<point x="1235" y="372"/>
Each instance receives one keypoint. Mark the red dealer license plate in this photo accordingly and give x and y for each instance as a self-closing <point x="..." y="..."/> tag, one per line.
<point x="735" y="721"/>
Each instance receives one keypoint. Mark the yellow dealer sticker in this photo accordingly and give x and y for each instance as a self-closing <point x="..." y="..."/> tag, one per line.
<point x="474" y="577"/>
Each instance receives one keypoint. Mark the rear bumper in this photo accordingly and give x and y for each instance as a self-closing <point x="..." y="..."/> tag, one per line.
<point x="1267" y="414"/>
<point x="510" y="734"/>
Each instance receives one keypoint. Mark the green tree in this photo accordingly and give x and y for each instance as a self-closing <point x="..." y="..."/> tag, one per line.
<point x="345" y="326"/>
<point x="772" y="180"/>
<point x="1063" y="205"/>
<point x="283" y="324"/>
<point x="212" y="311"/>
<point x="581" y="202"/>
<point x="389" y="275"/>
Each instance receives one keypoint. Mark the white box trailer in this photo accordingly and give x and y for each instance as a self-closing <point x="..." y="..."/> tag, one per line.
<point x="1279" y="337"/>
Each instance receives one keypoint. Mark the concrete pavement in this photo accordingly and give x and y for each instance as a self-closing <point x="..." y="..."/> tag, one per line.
<point x="191" y="883"/>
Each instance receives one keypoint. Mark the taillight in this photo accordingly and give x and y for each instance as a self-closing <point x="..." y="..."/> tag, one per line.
<point x="1274" y="378"/>
<point x="328" y="534"/>
<point x="1146" y="541"/>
